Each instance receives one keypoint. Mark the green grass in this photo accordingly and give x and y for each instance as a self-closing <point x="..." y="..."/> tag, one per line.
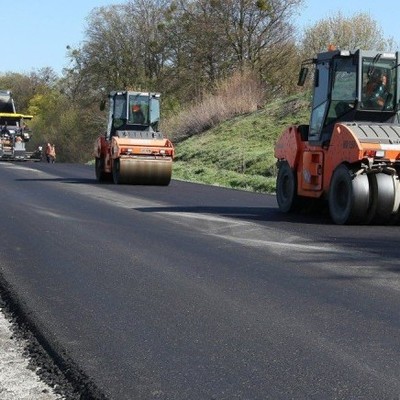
<point x="239" y="153"/>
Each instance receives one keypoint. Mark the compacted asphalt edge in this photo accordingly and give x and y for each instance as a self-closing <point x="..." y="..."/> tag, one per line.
<point x="30" y="367"/>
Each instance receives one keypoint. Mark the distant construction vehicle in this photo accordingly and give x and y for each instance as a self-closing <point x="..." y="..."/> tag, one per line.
<point x="133" y="151"/>
<point x="349" y="154"/>
<point x="13" y="130"/>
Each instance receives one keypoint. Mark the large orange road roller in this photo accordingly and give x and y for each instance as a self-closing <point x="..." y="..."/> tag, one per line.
<point x="133" y="150"/>
<point x="349" y="154"/>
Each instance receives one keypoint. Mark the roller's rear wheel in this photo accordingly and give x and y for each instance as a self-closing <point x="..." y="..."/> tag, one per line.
<point x="383" y="198"/>
<point x="101" y="176"/>
<point x="286" y="188"/>
<point x="349" y="197"/>
<point x="116" y="172"/>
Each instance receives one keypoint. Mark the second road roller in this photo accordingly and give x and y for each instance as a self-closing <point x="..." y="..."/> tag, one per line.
<point x="133" y="150"/>
<point x="349" y="153"/>
<point x="14" y="133"/>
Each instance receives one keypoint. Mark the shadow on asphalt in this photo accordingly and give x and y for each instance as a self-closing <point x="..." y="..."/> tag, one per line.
<point x="248" y="213"/>
<point x="66" y="180"/>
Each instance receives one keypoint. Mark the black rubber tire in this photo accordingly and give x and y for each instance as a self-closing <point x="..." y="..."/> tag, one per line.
<point x="116" y="171"/>
<point x="349" y="197"/>
<point x="99" y="168"/>
<point x="101" y="176"/>
<point x="286" y="188"/>
<point x="383" y="193"/>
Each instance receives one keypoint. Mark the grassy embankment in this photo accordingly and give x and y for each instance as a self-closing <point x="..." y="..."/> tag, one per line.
<point x="239" y="153"/>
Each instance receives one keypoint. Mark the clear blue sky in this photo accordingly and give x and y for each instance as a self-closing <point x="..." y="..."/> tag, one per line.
<point x="36" y="32"/>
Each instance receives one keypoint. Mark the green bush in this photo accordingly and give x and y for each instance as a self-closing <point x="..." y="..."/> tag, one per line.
<point x="239" y="153"/>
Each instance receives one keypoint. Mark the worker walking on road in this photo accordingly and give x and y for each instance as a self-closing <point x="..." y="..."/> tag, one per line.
<point x="50" y="153"/>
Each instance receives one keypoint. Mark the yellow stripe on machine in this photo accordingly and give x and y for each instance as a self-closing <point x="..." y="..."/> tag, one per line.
<point x="15" y="115"/>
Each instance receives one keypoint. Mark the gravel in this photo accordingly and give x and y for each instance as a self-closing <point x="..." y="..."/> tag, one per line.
<point x="26" y="369"/>
<point x="19" y="377"/>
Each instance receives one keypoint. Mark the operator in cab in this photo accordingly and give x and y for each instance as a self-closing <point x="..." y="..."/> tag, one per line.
<point x="376" y="92"/>
<point x="137" y="114"/>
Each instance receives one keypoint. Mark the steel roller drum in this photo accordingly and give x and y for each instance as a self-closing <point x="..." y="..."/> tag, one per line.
<point x="143" y="171"/>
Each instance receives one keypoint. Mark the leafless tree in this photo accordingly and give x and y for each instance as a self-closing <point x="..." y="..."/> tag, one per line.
<point x="357" y="31"/>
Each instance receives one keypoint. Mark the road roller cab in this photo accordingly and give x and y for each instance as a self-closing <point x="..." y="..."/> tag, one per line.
<point x="349" y="154"/>
<point x="133" y="150"/>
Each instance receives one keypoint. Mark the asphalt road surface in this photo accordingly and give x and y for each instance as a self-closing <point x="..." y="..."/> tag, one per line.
<point x="197" y="292"/>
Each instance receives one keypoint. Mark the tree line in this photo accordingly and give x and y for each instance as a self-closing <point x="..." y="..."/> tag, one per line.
<point x="189" y="51"/>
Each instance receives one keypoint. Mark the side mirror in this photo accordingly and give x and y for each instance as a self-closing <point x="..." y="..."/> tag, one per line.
<point x="302" y="76"/>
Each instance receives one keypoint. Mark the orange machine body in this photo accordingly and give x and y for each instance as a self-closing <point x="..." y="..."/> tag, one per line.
<point x="133" y="150"/>
<point x="315" y="164"/>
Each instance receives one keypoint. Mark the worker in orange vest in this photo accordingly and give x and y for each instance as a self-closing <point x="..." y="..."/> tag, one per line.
<point x="50" y="153"/>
